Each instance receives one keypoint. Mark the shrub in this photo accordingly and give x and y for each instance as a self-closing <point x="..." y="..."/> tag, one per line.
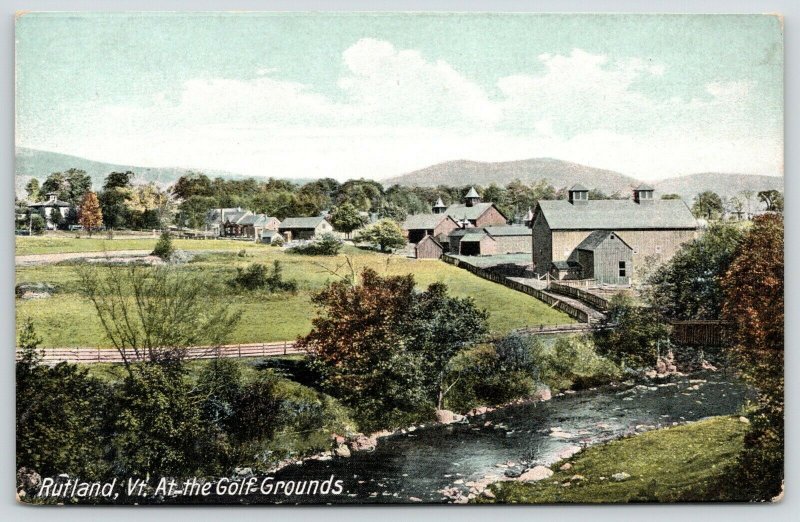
<point x="572" y="362"/>
<point x="259" y="277"/>
<point x="164" y="248"/>
<point x="326" y="245"/>
<point x="242" y="253"/>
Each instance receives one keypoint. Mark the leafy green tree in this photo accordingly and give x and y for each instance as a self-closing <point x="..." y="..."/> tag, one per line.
<point x="688" y="286"/>
<point x="385" y="233"/>
<point x="394" y="212"/>
<point x="194" y="210"/>
<point x="159" y="431"/>
<point x="670" y="196"/>
<point x="192" y="184"/>
<point x="346" y="218"/>
<point x="56" y="218"/>
<point x="37" y="223"/>
<point x="630" y="334"/>
<point x="32" y="189"/>
<point x="70" y="185"/>
<point x="164" y="247"/>
<point x="707" y="205"/>
<point x="443" y="326"/>
<point x="773" y="199"/>
<point x="61" y="414"/>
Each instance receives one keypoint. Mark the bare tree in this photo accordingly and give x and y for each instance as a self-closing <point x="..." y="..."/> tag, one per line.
<point x="155" y="313"/>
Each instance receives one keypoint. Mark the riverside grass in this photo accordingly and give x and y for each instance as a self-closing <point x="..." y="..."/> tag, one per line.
<point x="72" y="321"/>
<point x="677" y="464"/>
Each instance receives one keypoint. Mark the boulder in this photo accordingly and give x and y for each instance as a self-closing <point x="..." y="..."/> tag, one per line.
<point x="542" y="393"/>
<point x="363" y="443"/>
<point x="620" y="477"/>
<point x="536" y="473"/>
<point x="566" y="467"/>
<point x="447" y="417"/>
<point x="744" y="420"/>
<point x="28" y="481"/>
<point x="342" y="451"/>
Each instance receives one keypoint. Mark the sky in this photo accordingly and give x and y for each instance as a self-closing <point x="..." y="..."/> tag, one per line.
<point x="378" y="95"/>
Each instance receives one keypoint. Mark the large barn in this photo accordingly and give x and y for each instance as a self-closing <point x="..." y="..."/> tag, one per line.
<point x="635" y="232"/>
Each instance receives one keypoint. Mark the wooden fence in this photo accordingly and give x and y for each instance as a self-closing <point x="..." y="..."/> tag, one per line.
<point x="575" y="313"/>
<point x="86" y="355"/>
<point x="699" y="333"/>
<point x="595" y="301"/>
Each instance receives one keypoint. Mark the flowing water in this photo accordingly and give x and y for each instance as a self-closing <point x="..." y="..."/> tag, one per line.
<point x="419" y="465"/>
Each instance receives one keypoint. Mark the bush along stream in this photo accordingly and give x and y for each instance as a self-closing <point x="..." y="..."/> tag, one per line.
<point x="456" y="462"/>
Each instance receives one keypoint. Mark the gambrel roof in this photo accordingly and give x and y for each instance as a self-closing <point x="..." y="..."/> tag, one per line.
<point x="617" y="214"/>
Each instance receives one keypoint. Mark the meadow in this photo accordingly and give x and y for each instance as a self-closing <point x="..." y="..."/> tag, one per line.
<point x="66" y="319"/>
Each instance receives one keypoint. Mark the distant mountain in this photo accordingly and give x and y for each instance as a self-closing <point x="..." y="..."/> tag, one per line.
<point x="40" y="163"/>
<point x="726" y="185"/>
<point x="557" y="172"/>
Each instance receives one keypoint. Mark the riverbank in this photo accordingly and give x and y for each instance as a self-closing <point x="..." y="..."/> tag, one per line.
<point x="667" y="465"/>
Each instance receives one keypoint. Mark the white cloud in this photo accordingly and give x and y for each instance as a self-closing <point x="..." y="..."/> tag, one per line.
<point x="400" y="110"/>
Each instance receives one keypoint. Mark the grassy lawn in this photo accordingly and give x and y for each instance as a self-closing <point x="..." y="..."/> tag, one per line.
<point x="672" y="464"/>
<point x="60" y="244"/>
<point x="66" y="319"/>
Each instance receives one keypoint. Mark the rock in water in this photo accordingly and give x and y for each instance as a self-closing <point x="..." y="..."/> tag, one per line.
<point x="536" y="473"/>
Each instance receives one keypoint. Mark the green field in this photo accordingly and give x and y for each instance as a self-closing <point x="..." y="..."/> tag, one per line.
<point x="668" y="465"/>
<point x="59" y="243"/>
<point x="66" y="319"/>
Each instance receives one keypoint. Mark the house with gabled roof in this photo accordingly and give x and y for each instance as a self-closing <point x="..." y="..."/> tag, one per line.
<point x="417" y="226"/>
<point x="474" y="212"/>
<point x="653" y="231"/>
<point x="294" y="228"/>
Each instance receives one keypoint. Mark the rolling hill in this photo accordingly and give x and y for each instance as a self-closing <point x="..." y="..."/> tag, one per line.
<point x="556" y="172"/>
<point x="40" y="163"/>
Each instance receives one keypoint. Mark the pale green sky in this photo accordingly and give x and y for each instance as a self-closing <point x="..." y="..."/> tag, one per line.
<point x="375" y="95"/>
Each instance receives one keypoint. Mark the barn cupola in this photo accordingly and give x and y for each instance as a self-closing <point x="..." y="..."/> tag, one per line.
<point x="643" y="194"/>
<point x="578" y="194"/>
<point x="472" y="197"/>
<point x="439" y="207"/>
<point x="52" y="196"/>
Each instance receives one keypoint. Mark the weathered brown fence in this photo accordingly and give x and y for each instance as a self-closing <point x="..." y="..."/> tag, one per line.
<point x="86" y="355"/>
<point x="553" y="301"/>
<point x="595" y="301"/>
<point x="699" y="333"/>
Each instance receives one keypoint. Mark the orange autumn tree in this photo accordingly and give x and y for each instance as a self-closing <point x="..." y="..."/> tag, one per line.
<point x="753" y="289"/>
<point x="90" y="216"/>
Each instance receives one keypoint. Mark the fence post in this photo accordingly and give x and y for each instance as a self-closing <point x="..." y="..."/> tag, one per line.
<point x="98" y="354"/>
<point x="240" y="350"/>
<point x="284" y="347"/>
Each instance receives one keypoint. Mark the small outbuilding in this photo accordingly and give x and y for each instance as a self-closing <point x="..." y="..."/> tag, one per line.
<point x="304" y="227"/>
<point x="606" y="258"/>
<point x="429" y="248"/>
<point x="418" y="226"/>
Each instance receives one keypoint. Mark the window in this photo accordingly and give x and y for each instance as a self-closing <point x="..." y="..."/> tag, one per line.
<point x="622" y="268"/>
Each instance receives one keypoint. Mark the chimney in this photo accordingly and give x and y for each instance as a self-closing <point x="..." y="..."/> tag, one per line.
<point x="643" y="194"/>
<point x="578" y="194"/>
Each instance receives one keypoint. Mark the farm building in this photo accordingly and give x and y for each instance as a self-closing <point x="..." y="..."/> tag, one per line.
<point x="429" y="248"/>
<point x="52" y="204"/>
<point x="606" y="258"/>
<point x="249" y="225"/>
<point x="484" y="241"/>
<point x="304" y="227"/>
<point x="511" y="239"/>
<point x="270" y="236"/>
<point x="473" y="212"/>
<point x="417" y="226"/>
<point x="652" y="230"/>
